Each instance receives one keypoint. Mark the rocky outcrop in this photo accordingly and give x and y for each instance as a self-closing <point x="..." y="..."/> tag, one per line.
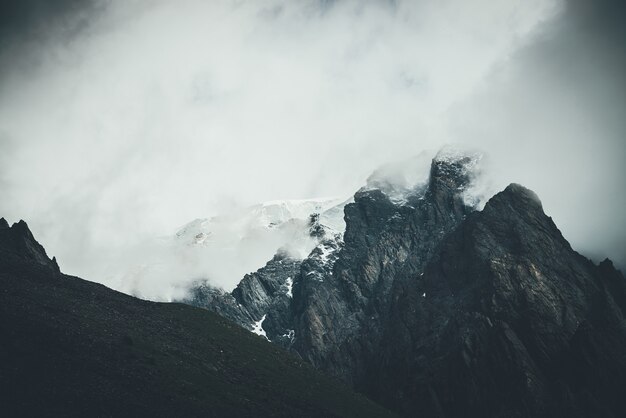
<point x="340" y="320"/>
<point x="435" y="308"/>
<point x="17" y="242"/>
<point x="261" y="302"/>
<point x="506" y="320"/>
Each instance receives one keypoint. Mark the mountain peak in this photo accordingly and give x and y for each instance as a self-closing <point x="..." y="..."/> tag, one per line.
<point x="452" y="168"/>
<point x="517" y="197"/>
<point x="22" y="227"/>
<point x="522" y="192"/>
<point x="19" y="240"/>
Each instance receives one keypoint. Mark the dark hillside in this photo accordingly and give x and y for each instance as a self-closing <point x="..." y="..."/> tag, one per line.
<point x="69" y="347"/>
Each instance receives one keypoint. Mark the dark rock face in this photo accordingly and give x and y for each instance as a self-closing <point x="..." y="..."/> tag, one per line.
<point x="17" y="242"/>
<point x="264" y="295"/>
<point x="341" y="319"/>
<point x="507" y="320"/>
<point x="436" y="309"/>
<point x="223" y="303"/>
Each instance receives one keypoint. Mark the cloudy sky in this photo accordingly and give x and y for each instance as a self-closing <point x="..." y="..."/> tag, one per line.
<point x="122" y="120"/>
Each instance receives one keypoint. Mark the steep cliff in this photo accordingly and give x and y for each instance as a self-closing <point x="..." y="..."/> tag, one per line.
<point x="434" y="307"/>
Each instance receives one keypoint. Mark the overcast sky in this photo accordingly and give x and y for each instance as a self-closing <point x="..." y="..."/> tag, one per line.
<point x="122" y="120"/>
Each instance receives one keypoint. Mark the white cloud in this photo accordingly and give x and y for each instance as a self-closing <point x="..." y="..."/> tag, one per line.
<point x="160" y="112"/>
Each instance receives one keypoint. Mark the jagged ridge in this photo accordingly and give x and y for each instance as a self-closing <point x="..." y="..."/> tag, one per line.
<point x="429" y="305"/>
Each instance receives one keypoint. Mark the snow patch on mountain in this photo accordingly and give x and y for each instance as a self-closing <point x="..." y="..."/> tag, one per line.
<point x="257" y="328"/>
<point x="289" y="284"/>
<point x="320" y="262"/>
<point x="278" y="217"/>
<point x="223" y="248"/>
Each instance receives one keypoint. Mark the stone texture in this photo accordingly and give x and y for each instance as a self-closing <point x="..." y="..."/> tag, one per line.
<point x="436" y="309"/>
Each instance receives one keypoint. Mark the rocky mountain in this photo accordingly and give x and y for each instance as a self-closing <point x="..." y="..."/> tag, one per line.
<point x="436" y="308"/>
<point x="70" y="347"/>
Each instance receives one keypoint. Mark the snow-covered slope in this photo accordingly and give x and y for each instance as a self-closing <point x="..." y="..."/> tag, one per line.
<point x="223" y="248"/>
<point x="278" y="217"/>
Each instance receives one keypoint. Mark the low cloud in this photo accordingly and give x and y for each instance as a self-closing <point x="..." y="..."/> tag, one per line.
<point x="552" y="118"/>
<point x="120" y="121"/>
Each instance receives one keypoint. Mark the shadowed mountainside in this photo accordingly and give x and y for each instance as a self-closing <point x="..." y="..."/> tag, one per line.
<point x="70" y="347"/>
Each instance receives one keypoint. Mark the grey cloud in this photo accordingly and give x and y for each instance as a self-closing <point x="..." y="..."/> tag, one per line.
<point x="552" y="117"/>
<point x="27" y="28"/>
<point x="29" y="18"/>
<point x="120" y="121"/>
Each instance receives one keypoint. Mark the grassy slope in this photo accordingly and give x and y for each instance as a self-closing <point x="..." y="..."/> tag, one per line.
<point x="72" y="347"/>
